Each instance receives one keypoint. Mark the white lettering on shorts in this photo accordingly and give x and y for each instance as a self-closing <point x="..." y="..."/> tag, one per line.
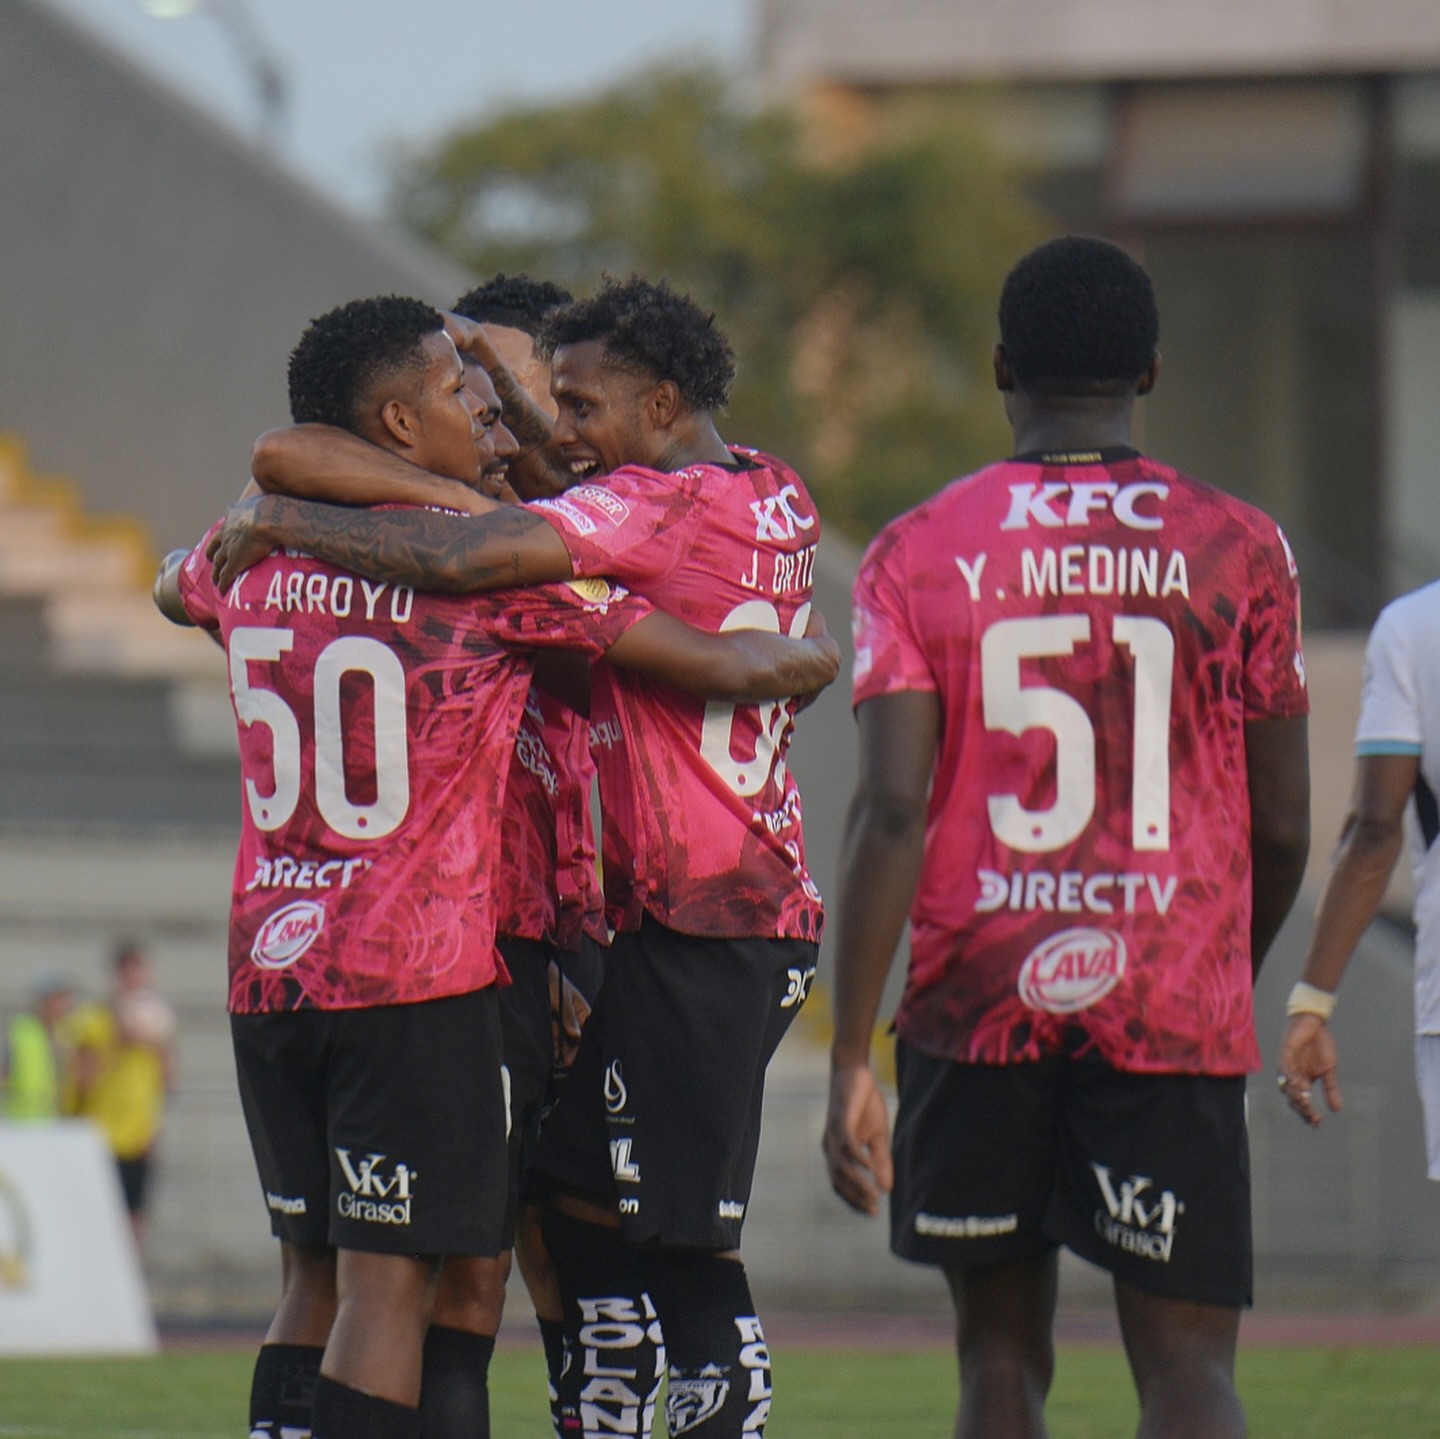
<point x="1135" y="1219"/>
<point x="969" y="1226"/>
<point x="375" y="1197"/>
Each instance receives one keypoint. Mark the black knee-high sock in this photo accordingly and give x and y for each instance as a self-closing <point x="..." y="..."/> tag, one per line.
<point x="719" y="1366"/>
<point x="282" y="1390"/>
<point x="454" y="1387"/>
<point x="552" y="1336"/>
<point x="611" y="1376"/>
<point x="345" y="1413"/>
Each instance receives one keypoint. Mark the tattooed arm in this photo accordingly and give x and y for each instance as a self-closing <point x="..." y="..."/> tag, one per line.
<point x="423" y="548"/>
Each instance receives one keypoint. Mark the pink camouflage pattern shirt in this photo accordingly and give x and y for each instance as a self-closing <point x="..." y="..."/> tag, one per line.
<point x="376" y="728"/>
<point x="546" y="879"/>
<point x="701" y="815"/>
<point x="1098" y="635"/>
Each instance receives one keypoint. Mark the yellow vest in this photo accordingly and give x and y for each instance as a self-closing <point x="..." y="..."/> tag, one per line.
<point x="33" y="1089"/>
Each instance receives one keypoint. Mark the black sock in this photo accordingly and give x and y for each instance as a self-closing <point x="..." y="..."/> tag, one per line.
<point x="345" y="1413"/>
<point x="719" y="1366"/>
<point x="282" y="1390"/>
<point x="454" y="1392"/>
<point x="617" y="1356"/>
<point x="552" y="1336"/>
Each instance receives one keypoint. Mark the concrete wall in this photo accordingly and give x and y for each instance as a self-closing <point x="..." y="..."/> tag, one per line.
<point x="917" y="41"/>
<point x="155" y="272"/>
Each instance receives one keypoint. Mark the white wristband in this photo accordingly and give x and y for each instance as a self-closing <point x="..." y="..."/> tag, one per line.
<point x="1308" y="999"/>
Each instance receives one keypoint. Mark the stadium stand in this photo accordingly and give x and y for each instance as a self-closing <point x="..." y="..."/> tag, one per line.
<point x="167" y="269"/>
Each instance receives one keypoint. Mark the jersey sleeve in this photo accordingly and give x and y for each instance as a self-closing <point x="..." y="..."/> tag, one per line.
<point x="1274" y="684"/>
<point x="634" y="528"/>
<point x="198" y="594"/>
<point x="588" y="615"/>
<point x="1390" y="720"/>
<point x="889" y="656"/>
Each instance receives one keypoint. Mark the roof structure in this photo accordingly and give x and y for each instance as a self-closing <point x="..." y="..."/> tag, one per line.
<point x="155" y="271"/>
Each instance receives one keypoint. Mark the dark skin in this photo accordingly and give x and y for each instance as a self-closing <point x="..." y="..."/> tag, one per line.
<point x="371" y="1311"/>
<point x="1371" y="842"/>
<point x="1181" y="1354"/>
<point x="608" y="417"/>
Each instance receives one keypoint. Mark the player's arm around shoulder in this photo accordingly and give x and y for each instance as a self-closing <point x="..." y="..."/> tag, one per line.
<point x="880" y="862"/>
<point x="422" y="548"/>
<point x="736" y="667"/>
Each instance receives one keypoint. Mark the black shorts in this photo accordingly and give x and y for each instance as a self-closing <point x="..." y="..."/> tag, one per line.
<point x="135" y="1181"/>
<point x="661" y="1113"/>
<point x="1146" y="1175"/>
<point x="527" y="1041"/>
<point x="379" y="1129"/>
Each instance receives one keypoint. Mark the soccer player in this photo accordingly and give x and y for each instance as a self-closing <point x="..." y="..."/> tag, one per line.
<point x="1081" y="705"/>
<point x="551" y="921"/>
<point x="1397" y="744"/>
<point x="376" y="727"/>
<point x="652" y="1145"/>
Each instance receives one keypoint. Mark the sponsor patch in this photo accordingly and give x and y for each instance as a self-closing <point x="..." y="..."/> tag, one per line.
<point x="576" y="518"/>
<point x="594" y="591"/>
<point x="1072" y="970"/>
<point x="287" y="934"/>
<point x="602" y="501"/>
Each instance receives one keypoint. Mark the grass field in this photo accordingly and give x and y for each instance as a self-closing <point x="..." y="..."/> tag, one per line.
<point x="1382" y="1392"/>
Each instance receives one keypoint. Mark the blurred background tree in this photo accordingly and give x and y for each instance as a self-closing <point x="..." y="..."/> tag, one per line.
<point x="858" y="291"/>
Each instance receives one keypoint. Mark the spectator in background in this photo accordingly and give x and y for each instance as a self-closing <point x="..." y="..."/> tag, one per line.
<point x="124" y="1068"/>
<point x="32" y="1055"/>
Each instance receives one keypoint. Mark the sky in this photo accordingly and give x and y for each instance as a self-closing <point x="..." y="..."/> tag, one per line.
<point x="360" y="76"/>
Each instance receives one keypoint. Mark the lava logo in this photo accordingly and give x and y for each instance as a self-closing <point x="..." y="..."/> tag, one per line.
<point x="1072" y="970"/>
<point x="287" y="934"/>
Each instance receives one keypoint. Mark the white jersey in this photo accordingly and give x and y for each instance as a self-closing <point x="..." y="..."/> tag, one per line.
<point x="1400" y="714"/>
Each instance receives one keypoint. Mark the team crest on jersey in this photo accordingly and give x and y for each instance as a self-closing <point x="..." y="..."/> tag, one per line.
<point x="1072" y="970"/>
<point x="287" y="934"/>
<point x="693" y="1400"/>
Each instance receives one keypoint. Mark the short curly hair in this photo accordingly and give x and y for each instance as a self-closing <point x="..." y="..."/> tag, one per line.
<point x="646" y="327"/>
<point x="516" y="301"/>
<point x="1078" y="316"/>
<point x="345" y="353"/>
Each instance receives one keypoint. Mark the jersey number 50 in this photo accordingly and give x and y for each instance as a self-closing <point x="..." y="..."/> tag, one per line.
<point x="1015" y="708"/>
<point x="255" y="704"/>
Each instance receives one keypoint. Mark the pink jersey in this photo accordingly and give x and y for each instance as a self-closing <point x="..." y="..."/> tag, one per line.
<point x="546" y="879"/>
<point x="701" y="814"/>
<point x="376" y="728"/>
<point x="1098" y="635"/>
